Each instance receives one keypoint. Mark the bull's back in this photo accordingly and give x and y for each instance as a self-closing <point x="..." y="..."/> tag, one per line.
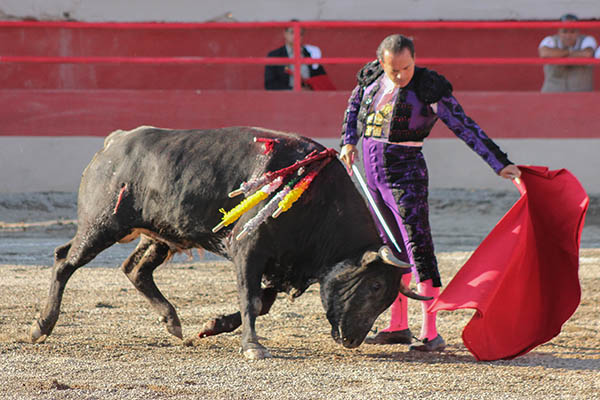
<point x="176" y="160"/>
<point x="179" y="179"/>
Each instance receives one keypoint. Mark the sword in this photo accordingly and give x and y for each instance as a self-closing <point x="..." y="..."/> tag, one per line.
<point x="365" y="189"/>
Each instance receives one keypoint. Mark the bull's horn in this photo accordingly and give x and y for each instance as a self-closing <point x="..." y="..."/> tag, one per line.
<point x="386" y="255"/>
<point x="409" y="293"/>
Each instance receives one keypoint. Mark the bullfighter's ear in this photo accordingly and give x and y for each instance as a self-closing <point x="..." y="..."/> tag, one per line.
<point x="386" y="255"/>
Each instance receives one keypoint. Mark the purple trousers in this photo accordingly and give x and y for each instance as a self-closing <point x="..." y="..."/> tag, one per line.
<point x="398" y="180"/>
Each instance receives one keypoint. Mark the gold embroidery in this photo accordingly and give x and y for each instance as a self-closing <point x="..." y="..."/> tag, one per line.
<point x="376" y="120"/>
<point x="387" y="109"/>
<point x="369" y="129"/>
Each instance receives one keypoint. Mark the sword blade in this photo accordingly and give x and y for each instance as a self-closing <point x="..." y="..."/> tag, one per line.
<point x="365" y="189"/>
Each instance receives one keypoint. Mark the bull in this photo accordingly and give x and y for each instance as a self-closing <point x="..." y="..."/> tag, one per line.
<point x="166" y="186"/>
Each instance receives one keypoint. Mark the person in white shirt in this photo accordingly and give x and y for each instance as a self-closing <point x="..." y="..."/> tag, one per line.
<point x="568" y="42"/>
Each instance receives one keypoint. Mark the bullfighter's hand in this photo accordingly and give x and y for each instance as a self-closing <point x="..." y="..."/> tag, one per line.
<point x="511" y="171"/>
<point x="348" y="155"/>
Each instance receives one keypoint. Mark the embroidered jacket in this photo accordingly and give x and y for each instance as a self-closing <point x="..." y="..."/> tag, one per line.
<point x="413" y="116"/>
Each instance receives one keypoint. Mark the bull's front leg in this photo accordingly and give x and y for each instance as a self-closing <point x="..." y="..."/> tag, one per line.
<point x="249" y="293"/>
<point x="230" y="322"/>
<point x="67" y="259"/>
<point x="43" y="326"/>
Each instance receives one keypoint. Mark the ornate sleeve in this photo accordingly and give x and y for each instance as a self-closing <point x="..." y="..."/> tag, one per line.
<point x="450" y="111"/>
<point x="349" y="131"/>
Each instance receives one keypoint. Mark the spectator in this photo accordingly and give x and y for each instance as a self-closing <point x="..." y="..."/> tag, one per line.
<point x="567" y="43"/>
<point x="394" y="107"/>
<point x="281" y="77"/>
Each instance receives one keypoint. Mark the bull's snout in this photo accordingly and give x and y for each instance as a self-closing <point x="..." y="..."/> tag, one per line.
<point x="351" y="343"/>
<point x="347" y="342"/>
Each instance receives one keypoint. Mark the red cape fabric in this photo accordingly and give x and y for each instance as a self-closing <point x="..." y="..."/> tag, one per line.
<point x="320" y="82"/>
<point x="523" y="278"/>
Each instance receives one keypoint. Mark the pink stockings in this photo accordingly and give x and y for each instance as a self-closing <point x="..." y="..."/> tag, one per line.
<point x="399" y="319"/>
<point x="429" y="328"/>
<point x="399" y="310"/>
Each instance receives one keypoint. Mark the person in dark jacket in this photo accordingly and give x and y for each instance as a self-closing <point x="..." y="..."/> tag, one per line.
<point x="280" y="77"/>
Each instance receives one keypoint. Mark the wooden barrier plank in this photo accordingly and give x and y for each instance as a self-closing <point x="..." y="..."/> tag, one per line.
<point x="313" y="114"/>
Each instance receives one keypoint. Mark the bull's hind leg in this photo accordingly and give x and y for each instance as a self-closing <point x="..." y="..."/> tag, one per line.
<point x="67" y="259"/>
<point x="139" y="267"/>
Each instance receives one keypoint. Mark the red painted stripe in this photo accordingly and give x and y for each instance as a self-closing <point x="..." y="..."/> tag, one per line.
<point x="313" y="114"/>
<point x="284" y="60"/>
<point x="307" y="24"/>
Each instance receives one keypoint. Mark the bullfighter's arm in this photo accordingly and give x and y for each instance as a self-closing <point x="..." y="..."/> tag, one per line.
<point x="452" y="114"/>
<point x="349" y="152"/>
<point x="349" y="132"/>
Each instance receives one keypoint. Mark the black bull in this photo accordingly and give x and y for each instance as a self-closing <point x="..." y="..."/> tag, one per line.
<point x="168" y="185"/>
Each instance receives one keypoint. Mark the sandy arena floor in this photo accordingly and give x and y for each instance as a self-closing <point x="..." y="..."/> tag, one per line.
<point x="108" y="344"/>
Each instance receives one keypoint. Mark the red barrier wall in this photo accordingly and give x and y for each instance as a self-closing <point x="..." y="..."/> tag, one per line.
<point x="314" y="114"/>
<point x="253" y="42"/>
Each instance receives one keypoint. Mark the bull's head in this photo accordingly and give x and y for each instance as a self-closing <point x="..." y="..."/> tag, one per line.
<point x="355" y="293"/>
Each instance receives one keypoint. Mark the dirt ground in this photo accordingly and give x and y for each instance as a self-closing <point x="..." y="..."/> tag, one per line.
<point x="108" y="344"/>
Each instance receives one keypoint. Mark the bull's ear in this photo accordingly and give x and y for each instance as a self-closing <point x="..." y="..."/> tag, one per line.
<point x="386" y="255"/>
<point x="369" y="257"/>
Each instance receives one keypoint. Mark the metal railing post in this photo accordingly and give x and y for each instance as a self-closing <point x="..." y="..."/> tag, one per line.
<point x="297" y="56"/>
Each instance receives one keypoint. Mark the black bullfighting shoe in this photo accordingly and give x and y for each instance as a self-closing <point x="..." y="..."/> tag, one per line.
<point x="436" y="344"/>
<point x="394" y="337"/>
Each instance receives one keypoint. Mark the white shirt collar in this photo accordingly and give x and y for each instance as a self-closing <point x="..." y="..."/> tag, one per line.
<point x="388" y="85"/>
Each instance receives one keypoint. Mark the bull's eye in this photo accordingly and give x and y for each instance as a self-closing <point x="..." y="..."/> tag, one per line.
<point x="375" y="286"/>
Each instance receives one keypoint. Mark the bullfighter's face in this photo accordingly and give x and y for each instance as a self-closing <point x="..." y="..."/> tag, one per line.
<point x="398" y="67"/>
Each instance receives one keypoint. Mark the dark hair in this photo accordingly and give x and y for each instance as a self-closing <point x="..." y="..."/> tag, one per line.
<point x="395" y="44"/>
<point x="291" y="28"/>
<point x="569" y="17"/>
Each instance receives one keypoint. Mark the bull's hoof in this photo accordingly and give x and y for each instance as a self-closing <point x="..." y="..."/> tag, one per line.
<point x="173" y="326"/>
<point x="35" y="333"/>
<point x="175" y="330"/>
<point x="256" y="353"/>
